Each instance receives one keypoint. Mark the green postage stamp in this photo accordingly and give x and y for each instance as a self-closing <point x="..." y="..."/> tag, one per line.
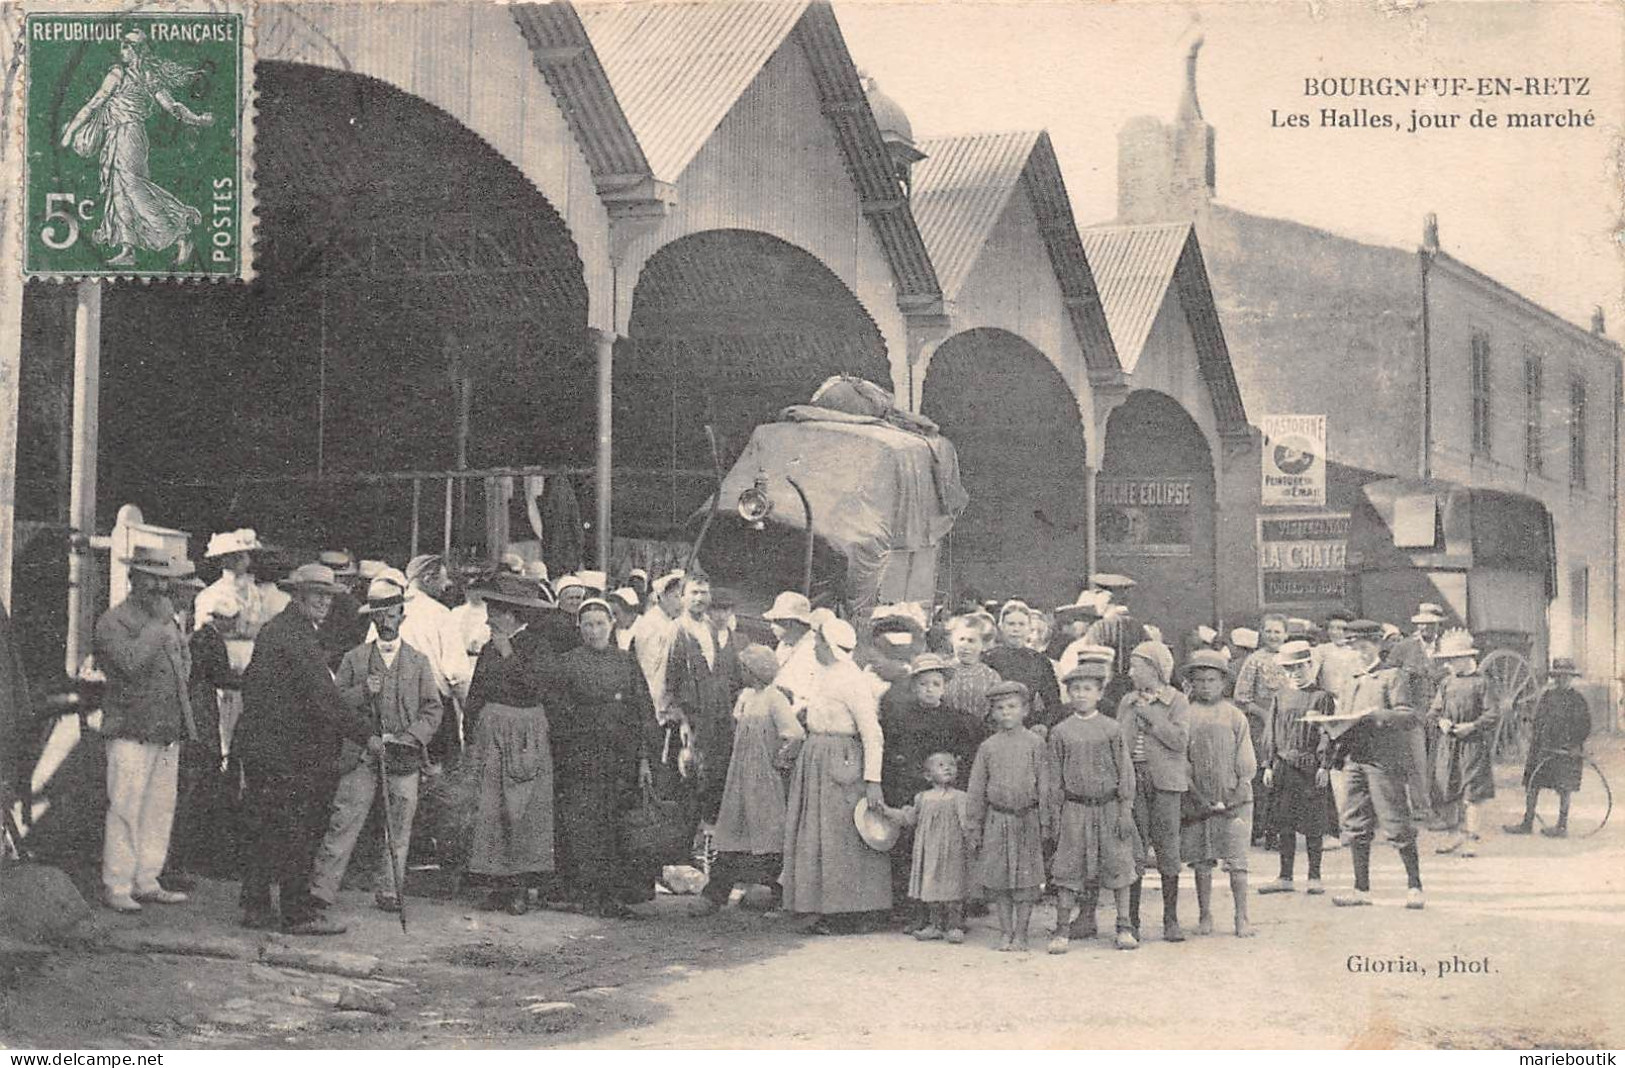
<point x="139" y="141"/>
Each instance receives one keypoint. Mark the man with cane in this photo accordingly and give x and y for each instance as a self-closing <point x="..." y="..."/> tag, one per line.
<point x="396" y="683"/>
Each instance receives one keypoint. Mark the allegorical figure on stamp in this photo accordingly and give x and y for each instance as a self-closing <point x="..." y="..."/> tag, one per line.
<point x="136" y="212"/>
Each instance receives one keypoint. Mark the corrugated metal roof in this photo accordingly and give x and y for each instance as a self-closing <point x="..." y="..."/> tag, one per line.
<point x="1133" y="267"/>
<point x="678" y="67"/>
<point x="960" y="190"/>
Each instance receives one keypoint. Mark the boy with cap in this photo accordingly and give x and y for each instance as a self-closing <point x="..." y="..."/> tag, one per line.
<point x="1371" y="760"/>
<point x="1218" y="815"/>
<point x="1004" y="814"/>
<point x="1556" y="750"/>
<point x="1295" y="770"/>
<point x="1092" y="802"/>
<point x="1463" y="774"/>
<point x="1156" y="718"/>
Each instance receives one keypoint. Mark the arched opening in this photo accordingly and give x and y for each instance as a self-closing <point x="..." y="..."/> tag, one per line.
<point x="1022" y="455"/>
<point x="727" y="328"/>
<point x="1155" y="512"/>
<point x="401" y="262"/>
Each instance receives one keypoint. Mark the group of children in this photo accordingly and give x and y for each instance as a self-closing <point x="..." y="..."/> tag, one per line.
<point x="1074" y="807"/>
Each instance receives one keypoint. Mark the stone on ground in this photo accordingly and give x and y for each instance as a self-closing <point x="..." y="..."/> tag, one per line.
<point x="39" y="903"/>
<point x="353" y="998"/>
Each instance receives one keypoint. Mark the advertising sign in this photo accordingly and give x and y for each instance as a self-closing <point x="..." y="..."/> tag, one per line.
<point x="1144" y="516"/>
<point x="1294" y="460"/>
<point x="1303" y="560"/>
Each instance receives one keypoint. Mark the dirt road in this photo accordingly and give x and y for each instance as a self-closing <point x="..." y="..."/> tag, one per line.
<point x="1533" y="923"/>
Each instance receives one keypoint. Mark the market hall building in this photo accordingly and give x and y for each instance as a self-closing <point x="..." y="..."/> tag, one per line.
<point x="553" y="244"/>
<point x="1487" y="479"/>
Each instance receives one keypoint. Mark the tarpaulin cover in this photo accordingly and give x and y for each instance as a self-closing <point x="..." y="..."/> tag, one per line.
<point x="874" y="489"/>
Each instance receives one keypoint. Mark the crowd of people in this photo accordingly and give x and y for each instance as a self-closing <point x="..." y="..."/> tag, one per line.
<point x="924" y="770"/>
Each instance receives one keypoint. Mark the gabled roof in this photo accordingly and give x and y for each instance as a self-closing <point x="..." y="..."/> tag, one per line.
<point x="645" y="84"/>
<point x="961" y="190"/>
<point x="678" y="67"/>
<point x="1136" y="267"/>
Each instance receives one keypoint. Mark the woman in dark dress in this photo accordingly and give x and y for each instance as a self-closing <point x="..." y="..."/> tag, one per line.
<point x="511" y="763"/>
<point x="602" y="720"/>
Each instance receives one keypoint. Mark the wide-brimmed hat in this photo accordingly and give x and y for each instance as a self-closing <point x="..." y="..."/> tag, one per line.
<point x="1454" y="644"/>
<point x="790" y="605"/>
<point x="1207" y="658"/>
<point x="1295" y="653"/>
<point x="340" y="560"/>
<point x="505" y="588"/>
<point x="1563" y="665"/>
<point x="382" y="595"/>
<point x="839" y="634"/>
<point x="229" y="542"/>
<point x="1109" y="581"/>
<point x="312" y="577"/>
<point x="877" y="832"/>
<point x="929" y="662"/>
<point x="150" y="560"/>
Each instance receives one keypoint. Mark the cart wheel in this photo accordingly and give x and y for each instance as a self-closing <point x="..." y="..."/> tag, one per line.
<point x="1512" y="687"/>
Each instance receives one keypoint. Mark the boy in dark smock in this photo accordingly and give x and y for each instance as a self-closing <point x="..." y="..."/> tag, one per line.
<point x="1557" y="749"/>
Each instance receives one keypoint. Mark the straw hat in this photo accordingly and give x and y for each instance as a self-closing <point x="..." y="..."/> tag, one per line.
<point x="504" y="588"/>
<point x="1108" y="581"/>
<point x="789" y="605"/>
<point x="877" y="832"/>
<point x="317" y="577"/>
<point x="382" y="594"/>
<point x="1295" y="653"/>
<point x="340" y="560"/>
<point x="1563" y="665"/>
<point x="1454" y="644"/>
<point x="153" y="561"/>
<point x="232" y="541"/>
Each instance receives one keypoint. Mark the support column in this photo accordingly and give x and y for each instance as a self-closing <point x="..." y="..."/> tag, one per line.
<point x="604" y="344"/>
<point x="87" y="362"/>
<point x="11" y="364"/>
<point x="1089" y="513"/>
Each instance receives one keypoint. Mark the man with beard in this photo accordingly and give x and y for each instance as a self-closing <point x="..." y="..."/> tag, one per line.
<point x="294" y="721"/>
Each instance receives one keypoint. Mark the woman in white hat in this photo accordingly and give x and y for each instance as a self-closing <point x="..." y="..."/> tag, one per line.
<point x="829" y="872"/>
<point x="1463" y="774"/>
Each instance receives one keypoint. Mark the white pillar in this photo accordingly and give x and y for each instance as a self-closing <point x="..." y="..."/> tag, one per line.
<point x="604" y="344"/>
<point x="87" y="363"/>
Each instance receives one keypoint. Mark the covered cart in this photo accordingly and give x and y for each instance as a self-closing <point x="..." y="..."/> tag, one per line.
<point x="1488" y="557"/>
<point x="881" y="489"/>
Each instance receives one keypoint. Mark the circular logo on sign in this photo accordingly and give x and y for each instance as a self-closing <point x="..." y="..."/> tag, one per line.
<point x="1294" y="455"/>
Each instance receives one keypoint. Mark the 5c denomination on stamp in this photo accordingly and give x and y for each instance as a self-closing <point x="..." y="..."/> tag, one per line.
<point x="139" y="135"/>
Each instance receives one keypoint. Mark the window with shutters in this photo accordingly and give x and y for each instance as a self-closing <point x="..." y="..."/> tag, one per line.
<point x="1577" y="432"/>
<point x="1480" y="377"/>
<point x="1533" y="437"/>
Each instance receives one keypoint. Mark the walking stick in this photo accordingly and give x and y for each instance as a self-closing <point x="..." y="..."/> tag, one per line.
<point x="389" y="823"/>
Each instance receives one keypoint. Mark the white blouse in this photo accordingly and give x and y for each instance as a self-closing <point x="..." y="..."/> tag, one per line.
<point x="842" y="701"/>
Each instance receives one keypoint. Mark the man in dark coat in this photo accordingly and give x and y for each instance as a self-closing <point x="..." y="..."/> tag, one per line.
<point x="294" y="721"/>
<point x="702" y="674"/>
<point x="1556" y="751"/>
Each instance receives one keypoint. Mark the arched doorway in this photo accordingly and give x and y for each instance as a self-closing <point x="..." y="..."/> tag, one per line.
<point x="727" y="328"/>
<point x="1155" y="512"/>
<point x="1022" y="455"/>
<point x="398" y="257"/>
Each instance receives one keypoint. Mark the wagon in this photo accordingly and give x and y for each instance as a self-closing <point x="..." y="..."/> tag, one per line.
<point x="1488" y="557"/>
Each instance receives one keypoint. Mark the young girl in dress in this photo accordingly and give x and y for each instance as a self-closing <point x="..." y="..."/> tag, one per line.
<point x="1010" y="777"/>
<point x="749" y="834"/>
<point x="939" y="875"/>
<point x="971" y="680"/>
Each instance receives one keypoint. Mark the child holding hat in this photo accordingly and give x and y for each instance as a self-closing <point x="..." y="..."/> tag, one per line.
<point x="1093" y="790"/>
<point x="1463" y="775"/>
<point x="939" y="873"/>
<point x="1009" y="779"/>
<point x="749" y="834"/>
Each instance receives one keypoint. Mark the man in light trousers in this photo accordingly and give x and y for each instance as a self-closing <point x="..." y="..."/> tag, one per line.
<point x="146" y="714"/>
